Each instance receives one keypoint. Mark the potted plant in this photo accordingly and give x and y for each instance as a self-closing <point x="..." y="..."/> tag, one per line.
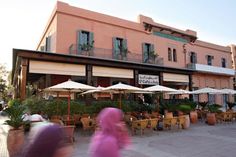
<point x="193" y="112"/>
<point x="152" y="55"/>
<point x="15" y="138"/>
<point x="203" y="105"/>
<point x="123" y="53"/>
<point x="230" y="105"/>
<point x="185" y="108"/>
<point x="212" y="109"/>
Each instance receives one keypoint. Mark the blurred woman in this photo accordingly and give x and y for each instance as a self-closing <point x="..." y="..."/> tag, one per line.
<point x="112" y="135"/>
<point x="48" y="142"/>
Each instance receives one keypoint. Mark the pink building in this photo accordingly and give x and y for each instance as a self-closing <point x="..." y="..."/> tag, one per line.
<point x="99" y="49"/>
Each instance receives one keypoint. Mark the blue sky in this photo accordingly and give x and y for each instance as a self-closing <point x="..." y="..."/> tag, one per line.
<point x="23" y="21"/>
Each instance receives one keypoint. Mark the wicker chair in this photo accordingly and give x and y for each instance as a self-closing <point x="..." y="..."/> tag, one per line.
<point x="181" y="122"/>
<point x="88" y="124"/>
<point x="167" y="123"/>
<point x="139" y="125"/>
<point x="153" y="123"/>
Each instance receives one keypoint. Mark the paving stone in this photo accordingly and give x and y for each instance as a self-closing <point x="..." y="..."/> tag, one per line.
<point x="200" y="140"/>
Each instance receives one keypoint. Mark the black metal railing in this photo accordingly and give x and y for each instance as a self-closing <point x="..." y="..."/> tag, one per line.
<point x="109" y="54"/>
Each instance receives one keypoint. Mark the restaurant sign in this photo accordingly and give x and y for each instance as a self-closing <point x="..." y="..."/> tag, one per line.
<point x="148" y="79"/>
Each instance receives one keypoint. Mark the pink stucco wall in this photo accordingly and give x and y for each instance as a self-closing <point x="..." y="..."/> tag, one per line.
<point x="67" y="20"/>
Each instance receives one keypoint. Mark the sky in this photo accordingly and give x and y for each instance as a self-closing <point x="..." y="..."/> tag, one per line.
<point x="23" y="21"/>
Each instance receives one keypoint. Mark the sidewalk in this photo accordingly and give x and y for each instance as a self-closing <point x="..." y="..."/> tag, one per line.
<point x="200" y="140"/>
<point x="3" y="136"/>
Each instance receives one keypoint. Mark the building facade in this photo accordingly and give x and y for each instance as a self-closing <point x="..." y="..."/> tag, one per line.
<point x="99" y="49"/>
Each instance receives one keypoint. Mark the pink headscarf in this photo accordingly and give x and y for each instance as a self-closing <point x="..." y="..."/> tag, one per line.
<point x="111" y="127"/>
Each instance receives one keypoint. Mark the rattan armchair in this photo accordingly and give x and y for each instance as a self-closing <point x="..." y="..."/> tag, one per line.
<point x="139" y="125"/>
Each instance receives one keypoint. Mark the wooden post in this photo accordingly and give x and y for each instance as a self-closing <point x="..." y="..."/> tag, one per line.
<point x="190" y="86"/>
<point x="23" y="78"/>
<point x="136" y="84"/>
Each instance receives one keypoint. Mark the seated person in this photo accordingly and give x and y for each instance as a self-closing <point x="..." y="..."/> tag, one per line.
<point x="26" y="117"/>
<point x="36" y="118"/>
<point x="140" y="116"/>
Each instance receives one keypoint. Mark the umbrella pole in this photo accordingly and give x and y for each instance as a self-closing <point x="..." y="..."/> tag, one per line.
<point x="120" y="100"/>
<point x="57" y="101"/>
<point x="68" y="117"/>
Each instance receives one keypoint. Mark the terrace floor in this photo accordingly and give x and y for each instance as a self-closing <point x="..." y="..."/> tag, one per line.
<point x="200" y="140"/>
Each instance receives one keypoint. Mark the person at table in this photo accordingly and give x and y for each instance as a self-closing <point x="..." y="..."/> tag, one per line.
<point x="36" y="117"/>
<point x="140" y="116"/>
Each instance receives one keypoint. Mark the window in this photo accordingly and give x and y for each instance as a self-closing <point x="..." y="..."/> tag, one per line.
<point x="211" y="98"/>
<point x="172" y="55"/>
<point x="169" y="54"/>
<point x="85" y="40"/>
<point x="193" y="57"/>
<point x="195" y="96"/>
<point x="223" y="62"/>
<point x="149" y="54"/>
<point x="48" y="44"/>
<point x="119" y="42"/>
<point x="120" y="49"/>
<point x="209" y="59"/>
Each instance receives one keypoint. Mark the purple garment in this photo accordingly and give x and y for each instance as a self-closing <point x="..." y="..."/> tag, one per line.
<point x="110" y="138"/>
<point x="46" y="142"/>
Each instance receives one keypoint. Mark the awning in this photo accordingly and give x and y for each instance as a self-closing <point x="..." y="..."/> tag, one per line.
<point x="42" y="67"/>
<point x="112" y="72"/>
<point x="175" y="77"/>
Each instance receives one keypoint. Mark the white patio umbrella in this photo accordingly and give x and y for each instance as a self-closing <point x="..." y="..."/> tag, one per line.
<point x="70" y="87"/>
<point x="122" y="88"/>
<point x="228" y="91"/>
<point x="207" y="90"/>
<point x="159" y="88"/>
<point x="180" y="91"/>
<point x="97" y="89"/>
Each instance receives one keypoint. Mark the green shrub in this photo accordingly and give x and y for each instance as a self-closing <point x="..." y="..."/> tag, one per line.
<point x="15" y="112"/>
<point x="214" y="108"/>
<point x="14" y="102"/>
<point x="231" y="104"/>
<point x="203" y="105"/>
<point x="185" y="108"/>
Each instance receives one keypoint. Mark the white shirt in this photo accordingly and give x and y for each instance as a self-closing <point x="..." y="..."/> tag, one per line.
<point x="36" y="118"/>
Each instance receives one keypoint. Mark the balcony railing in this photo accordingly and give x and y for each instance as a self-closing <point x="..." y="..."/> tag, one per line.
<point x="108" y="54"/>
<point x="211" y="69"/>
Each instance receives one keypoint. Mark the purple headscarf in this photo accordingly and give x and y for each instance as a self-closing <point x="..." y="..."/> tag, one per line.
<point x="46" y="142"/>
<point x="111" y="137"/>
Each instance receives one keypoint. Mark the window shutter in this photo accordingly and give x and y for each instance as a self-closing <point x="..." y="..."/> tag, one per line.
<point x="115" y="49"/>
<point x="124" y="43"/>
<point x="152" y="49"/>
<point x="42" y="48"/>
<point x="145" y="53"/>
<point x="195" y="57"/>
<point x="91" y="39"/>
<point x="125" y="48"/>
<point x="79" y="41"/>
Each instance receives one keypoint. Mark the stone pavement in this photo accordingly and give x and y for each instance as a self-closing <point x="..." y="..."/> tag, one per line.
<point x="200" y="140"/>
<point x="3" y="135"/>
